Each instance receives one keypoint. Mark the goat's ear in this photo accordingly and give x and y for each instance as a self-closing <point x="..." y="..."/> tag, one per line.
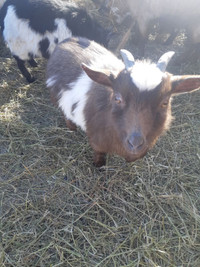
<point x="185" y="83"/>
<point x="102" y="76"/>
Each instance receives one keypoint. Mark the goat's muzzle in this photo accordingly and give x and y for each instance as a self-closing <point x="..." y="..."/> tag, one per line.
<point x="136" y="144"/>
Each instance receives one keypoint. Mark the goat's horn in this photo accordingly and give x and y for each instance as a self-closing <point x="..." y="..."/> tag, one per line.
<point x="128" y="58"/>
<point x="164" y="60"/>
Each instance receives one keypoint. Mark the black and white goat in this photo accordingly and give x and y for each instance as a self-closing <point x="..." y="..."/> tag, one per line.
<point x="123" y="106"/>
<point x="32" y="28"/>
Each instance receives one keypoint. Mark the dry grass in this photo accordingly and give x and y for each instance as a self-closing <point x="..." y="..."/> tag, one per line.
<point x="56" y="209"/>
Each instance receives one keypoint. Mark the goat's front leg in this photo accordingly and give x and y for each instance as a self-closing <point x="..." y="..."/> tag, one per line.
<point x="23" y="69"/>
<point x="32" y="62"/>
<point x="72" y="126"/>
<point x="99" y="159"/>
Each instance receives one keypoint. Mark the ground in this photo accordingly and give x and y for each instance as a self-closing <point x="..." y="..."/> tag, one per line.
<point x="57" y="209"/>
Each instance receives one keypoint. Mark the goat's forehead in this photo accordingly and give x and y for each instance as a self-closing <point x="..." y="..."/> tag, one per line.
<point x="146" y="76"/>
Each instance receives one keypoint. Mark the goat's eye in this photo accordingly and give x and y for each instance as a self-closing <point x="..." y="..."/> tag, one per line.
<point x="118" y="99"/>
<point x="164" y="104"/>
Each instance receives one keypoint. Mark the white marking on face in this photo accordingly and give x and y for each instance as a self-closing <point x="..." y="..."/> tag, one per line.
<point x="146" y="76"/>
<point x="76" y="95"/>
<point x="22" y="40"/>
<point x="51" y="81"/>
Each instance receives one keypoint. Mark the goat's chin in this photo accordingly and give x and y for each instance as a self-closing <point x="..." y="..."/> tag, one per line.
<point x="130" y="157"/>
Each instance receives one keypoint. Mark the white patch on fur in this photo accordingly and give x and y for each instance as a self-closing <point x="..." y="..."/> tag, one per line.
<point x="62" y="32"/>
<point x="76" y="95"/>
<point x="22" y="40"/>
<point x="51" y="81"/>
<point x="146" y="76"/>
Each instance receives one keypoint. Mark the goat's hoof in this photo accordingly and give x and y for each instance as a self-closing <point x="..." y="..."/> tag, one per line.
<point x="30" y="80"/>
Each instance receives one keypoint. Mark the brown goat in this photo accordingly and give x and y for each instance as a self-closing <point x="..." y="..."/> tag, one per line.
<point x="123" y="106"/>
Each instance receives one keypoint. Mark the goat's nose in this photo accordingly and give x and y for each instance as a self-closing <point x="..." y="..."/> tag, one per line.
<point x="136" y="141"/>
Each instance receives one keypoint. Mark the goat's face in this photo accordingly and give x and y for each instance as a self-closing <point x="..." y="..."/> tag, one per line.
<point x="139" y="109"/>
<point x="138" y="117"/>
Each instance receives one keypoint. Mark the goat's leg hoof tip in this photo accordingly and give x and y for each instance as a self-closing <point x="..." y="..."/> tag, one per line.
<point x="99" y="159"/>
<point x="31" y="80"/>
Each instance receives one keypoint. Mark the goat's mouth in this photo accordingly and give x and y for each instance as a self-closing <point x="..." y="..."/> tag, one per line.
<point x="135" y="156"/>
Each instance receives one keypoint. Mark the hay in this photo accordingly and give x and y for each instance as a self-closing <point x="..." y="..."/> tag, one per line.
<point x="56" y="209"/>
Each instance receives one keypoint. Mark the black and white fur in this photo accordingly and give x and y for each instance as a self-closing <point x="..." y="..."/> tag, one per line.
<point x="32" y="28"/>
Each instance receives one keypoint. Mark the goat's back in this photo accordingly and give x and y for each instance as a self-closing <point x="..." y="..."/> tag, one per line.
<point x="64" y="65"/>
